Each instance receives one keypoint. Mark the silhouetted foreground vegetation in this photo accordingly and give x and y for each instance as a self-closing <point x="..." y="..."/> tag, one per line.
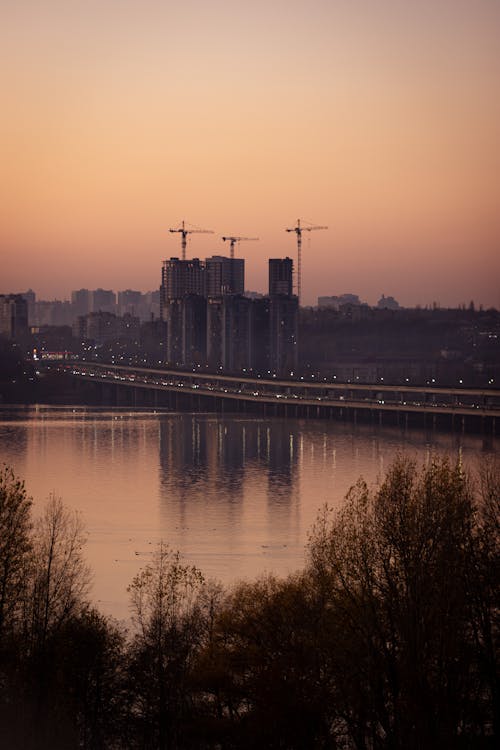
<point x="387" y="639"/>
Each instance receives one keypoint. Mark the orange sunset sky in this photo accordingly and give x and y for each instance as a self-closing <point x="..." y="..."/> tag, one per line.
<point x="378" y="118"/>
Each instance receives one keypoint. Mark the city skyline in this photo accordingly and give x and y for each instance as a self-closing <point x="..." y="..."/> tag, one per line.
<point x="380" y="120"/>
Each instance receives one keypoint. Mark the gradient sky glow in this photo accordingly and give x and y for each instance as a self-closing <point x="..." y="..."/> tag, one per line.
<point x="379" y="118"/>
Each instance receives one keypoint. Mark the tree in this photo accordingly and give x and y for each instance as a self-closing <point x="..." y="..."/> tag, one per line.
<point x="167" y="607"/>
<point x="264" y="671"/>
<point x="87" y="658"/>
<point x="483" y="576"/>
<point x="396" y="569"/>
<point x="60" y="578"/>
<point x="15" y="545"/>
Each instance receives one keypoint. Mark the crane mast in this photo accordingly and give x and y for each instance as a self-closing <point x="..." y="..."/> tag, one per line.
<point x="184" y="233"/>
<point x="232" y="242"/>
<point x="298" y="229"/>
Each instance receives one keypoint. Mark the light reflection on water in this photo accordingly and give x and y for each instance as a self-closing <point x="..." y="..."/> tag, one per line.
<point x="236" y="495"/>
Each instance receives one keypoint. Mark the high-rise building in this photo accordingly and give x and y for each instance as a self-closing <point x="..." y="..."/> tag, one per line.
<point x="224" y="275"/>
<point x="236" y="341"/>
<point x="283" y="317"/>
<point x="283" y="333"/>
<point x="130" y="302"/>
<point x="259" y="337"/>
<point x="182" y="295"/>
<point x="30" y="298"/>
<point x="194" y="329"/>
<point x="81" y="301"/>
<point x="54" y="312"/>
<point x="13" y="316"/>
<point x="229" y="332"/>
<point x="214" y="332"/>
<point x="172" y="316"/>
<point x="208" y="318"/>
<point x="181" y="277"/>
<point x="280" y="276"/>
<point x="103" y="300"/>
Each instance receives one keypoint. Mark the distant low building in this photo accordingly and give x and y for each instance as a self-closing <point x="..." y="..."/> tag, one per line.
<point x="388" y="303"/>
<point x="335" y="302"/>
<point x="102" y="327"/>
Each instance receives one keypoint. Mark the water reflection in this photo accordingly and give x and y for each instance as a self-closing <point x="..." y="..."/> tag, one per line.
<point x="228" y="489"/>
<point x="236" y="495"/>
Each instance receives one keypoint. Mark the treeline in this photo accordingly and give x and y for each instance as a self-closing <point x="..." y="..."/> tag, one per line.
<point x="387" y="639"/>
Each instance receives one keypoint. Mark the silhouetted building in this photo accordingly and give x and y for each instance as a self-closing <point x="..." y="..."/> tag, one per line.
<point x="224" y="275"/>
<point x="182" y="306"/>
<point x="194" y="329"/>
<point x="173" y="317"/>
<point x="181" y="277"/>
<point x="283" y="334"/>
<point x="209" y="320"/>
<point x="13" y="316"/>
<point x="229" y="332"/>
<point x="236" y="343"/>
<point x="214" y="331"/>
<point x="283" y="317"/>
<point x="280" y="276"/>
<point x="186" y="325"/>
<point x="259" y="337"/>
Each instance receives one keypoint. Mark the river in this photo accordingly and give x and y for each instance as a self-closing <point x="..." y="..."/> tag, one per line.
<point x="236" y="495"/>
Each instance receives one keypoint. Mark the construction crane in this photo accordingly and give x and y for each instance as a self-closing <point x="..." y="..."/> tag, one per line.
<point x="298" y="231"/>
<point x="184" y="233"/>
<point x="232" y="242"/>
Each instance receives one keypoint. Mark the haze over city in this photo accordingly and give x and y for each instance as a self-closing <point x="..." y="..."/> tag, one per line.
<point x="378" y="119"/>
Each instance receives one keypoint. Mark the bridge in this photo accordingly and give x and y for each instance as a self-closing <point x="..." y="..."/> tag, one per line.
<point x="129" y="385"/>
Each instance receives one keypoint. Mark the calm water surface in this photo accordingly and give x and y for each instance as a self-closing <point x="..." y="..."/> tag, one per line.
<point x="237" y="496"/>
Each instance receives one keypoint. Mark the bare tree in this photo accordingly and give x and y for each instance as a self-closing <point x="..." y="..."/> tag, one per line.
<point x="15" y="545"/>
<point x="60" y="577"/>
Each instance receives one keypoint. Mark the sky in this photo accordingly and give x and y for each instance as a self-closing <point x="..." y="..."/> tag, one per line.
<point x="379" y="119"/>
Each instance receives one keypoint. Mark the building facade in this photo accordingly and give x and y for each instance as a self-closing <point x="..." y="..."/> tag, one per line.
<point x="13" y="316"/>
<point x="224" y="275"/>
<point x="280" y="276"/>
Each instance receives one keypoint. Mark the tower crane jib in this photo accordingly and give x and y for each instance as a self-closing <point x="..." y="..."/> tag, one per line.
<point x="183" y="231"/>
<point x="232" y="242"/>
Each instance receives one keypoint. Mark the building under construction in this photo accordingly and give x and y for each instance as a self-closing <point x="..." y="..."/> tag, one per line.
<point x="209" y="320"/>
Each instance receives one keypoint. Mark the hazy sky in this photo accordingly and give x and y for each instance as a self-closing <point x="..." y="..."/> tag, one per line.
<point x="378" y="118"/>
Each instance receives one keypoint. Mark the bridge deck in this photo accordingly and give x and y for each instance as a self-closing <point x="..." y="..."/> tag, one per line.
<point x="380" y="397"/>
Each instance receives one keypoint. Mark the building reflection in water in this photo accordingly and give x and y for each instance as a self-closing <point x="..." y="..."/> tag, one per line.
<point x="229" y="488"/>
